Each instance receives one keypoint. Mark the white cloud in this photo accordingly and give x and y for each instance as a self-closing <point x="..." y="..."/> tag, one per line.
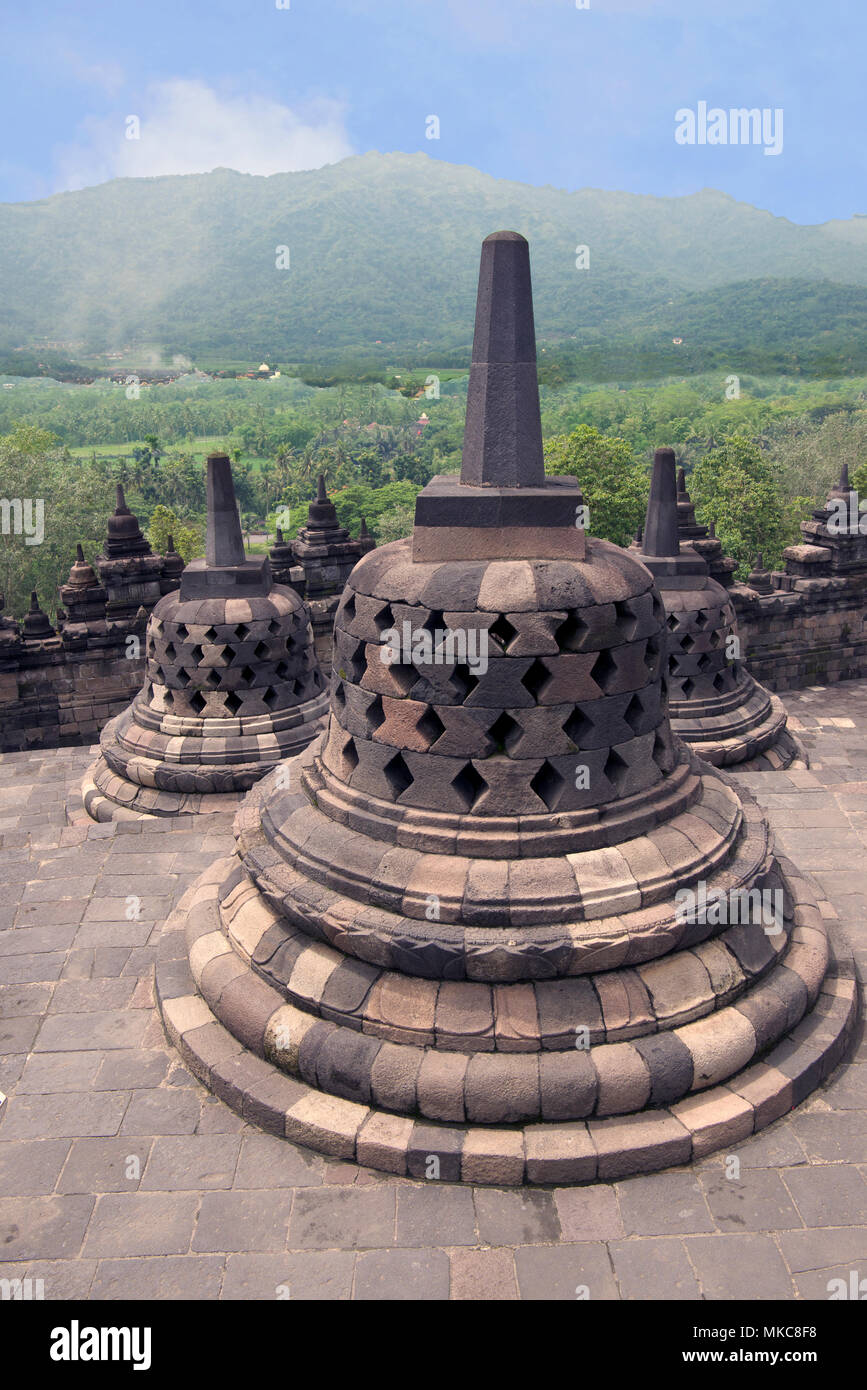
<point x="188" y="128"/>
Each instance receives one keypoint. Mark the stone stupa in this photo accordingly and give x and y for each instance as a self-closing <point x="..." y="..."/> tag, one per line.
<point x="447" y="943"/>
<point x="231" y="687"/>
<point x="715" y="705"/>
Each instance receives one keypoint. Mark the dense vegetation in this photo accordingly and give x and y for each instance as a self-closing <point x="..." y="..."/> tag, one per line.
<point x="757" y="461"/>
<point x="383" y="259"/>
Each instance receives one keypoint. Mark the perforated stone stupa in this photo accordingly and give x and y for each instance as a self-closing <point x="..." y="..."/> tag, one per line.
<point x="232" y="683"/>
<point x="450" y="941"/>
<point x="715" y="705"/>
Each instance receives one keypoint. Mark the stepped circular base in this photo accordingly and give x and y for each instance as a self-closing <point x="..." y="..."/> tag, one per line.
<point x="739" y="739"/>
<point x="192" y="766"/>
<point x="107" y="797"/>
<point x="684" y="1055"/>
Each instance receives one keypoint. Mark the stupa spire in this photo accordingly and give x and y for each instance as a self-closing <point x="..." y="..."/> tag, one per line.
<point x="660" y="527"/>
<point x="503" y="435"/>
<point x="225" y="544"/>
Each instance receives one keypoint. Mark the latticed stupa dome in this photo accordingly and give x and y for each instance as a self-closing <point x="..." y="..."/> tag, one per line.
<point x="714" y="703"/>
<point x="452" y="929"/>
<point x="232" y="684"/>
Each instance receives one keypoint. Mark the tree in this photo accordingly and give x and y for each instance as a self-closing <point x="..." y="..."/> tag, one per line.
<point x="738" y="487"/>
<point x="187" y="538"/>
<point x="614" y="486"/>
<point x="395" y="524"/>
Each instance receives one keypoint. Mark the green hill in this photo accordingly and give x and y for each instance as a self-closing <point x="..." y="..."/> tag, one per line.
<point x="385" y="247"/>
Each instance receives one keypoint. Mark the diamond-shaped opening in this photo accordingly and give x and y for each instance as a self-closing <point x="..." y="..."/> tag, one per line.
<point x="536" y="678"/>
<point x="548" y="785"/>
<point x="634" y="714"/>
<point x="168" y="698"/>
<point x="211" y="634"/>
<point x="578" y="727"/>
<point x="503" y="631"/>
<point x="704" y="663"/>
<point x="430" y="726"/>
<point x="271" y="698"/>
<point x="625" y="618"/>
<point x="228" y="656"/>
<point x="261" y="651"/>
<point x="349" y="753"/>
<point x="469" y="785"/>
<point x="357" y="663"/>
<point x="183" y="631"/>
<point x="339" y="697"/>
<point x="233" y="702"/>
<point x="506" y="732"/>
<point x="571" y="633"/>
<point x="198" y="701"/>
<point x="171" y="651"/>
<point x="604" y="670"/>
<point x="434" y="622"/>
<point x="615" y="769"/>
<point x="212" y="680"/>
<point x="242" y="632"/>
<point x="660" y="752"/>
<point x="348" y="610"/>
<point x="384" y="619"/>
<point x="720" y="681"/>
<point x="248" y="675"/>
<point x="273" y="627"/>
<point x="197" y="654"/>
<point x="404" y="677"/>
<point x="464" y="683"/>
<point x="160" y="676"/>
<point x="687" y="643"/>
<point x="296" y="687"/>
<point x="283" y="669"/>
<point x="673" y="622"/>
<point x="183" y="678"/>
<point x="375" y="714"/>
<point x="688" y="687"/>
<point x="398" y="776"/>
<point x="701" y="618"/>
<point x="290" y="644"/>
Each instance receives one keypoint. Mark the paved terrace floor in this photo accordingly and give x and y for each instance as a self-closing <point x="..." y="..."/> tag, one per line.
<point x="121" y="1177"/>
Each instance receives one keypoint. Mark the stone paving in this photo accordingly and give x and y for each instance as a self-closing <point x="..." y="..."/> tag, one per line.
<point x="122" y="1177"/>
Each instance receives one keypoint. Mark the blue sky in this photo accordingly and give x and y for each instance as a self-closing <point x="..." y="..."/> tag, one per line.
<point x="534" y="90"/>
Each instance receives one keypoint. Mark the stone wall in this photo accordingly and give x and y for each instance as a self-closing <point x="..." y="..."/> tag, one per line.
<point x="812" y="634"/>
<point x="57" y="693"/>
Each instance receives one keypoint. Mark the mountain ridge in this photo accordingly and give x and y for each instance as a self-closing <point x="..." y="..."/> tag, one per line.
<point x="382" y="247"/>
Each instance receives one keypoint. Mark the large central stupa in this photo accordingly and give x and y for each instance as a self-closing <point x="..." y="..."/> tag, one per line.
<point x="456" y="938"/>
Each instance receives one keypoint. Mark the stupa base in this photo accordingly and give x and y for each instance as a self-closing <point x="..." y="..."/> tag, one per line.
<point x="758" y="746"/>
<point x="107" y="797"/>
<point x="313" y="1061"/>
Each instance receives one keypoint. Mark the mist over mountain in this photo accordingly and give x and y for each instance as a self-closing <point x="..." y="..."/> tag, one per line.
<point x="385" y="247"/>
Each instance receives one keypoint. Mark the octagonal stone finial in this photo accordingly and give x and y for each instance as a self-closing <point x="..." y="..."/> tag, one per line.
<point x="225" y="544"/>
<point x="660" y="527"/>
<point x="503" y="435"/>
